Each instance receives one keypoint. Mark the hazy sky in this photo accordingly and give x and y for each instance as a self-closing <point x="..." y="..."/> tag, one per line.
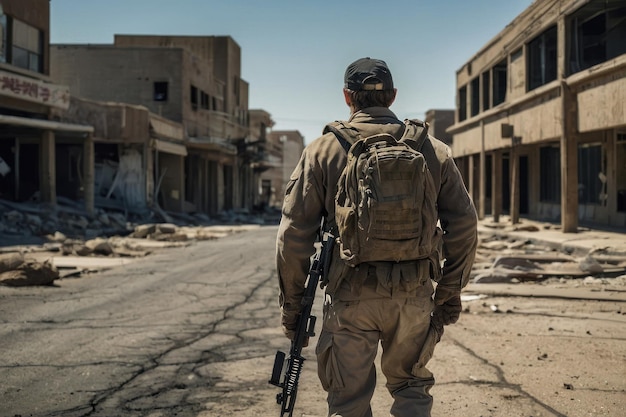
<point x="294" y="53"/>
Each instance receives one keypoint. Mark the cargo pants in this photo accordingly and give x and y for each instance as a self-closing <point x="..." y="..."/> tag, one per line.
<point x="355" y="322"/>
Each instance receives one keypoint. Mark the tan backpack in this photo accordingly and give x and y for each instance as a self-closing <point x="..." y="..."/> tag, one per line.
<point x="385" y="207"/>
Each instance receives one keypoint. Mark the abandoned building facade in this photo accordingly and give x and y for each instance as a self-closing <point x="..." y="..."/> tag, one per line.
<point x="540" y="126"/>
<point x="192" y="81"/>
<point x="30" y="135"/>
<point x="147" y="121"/>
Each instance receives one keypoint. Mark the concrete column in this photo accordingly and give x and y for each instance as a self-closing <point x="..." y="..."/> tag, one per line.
<point x="514" y="183"/>
<point x="470" y="178"/>
<point x="569" y="161"/>
<point x="89" y="174"/>
<point x="496" y="185"/>
<point x="181" y="183"/>
<point x="482" y="180"/>
<point x="47" y="173"/>
<point x="148" y="161"/>
<point x="236" y="185"/>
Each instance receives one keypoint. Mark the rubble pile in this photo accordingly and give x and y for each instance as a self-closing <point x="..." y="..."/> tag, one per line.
<point x="40" y="243"/>
<point x="504" y="258"/>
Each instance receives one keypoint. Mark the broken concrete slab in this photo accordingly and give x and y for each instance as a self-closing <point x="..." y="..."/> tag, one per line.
<point x="88" y="263"/>
<point x="521" y="290"/>
<point x="29" y="274"/>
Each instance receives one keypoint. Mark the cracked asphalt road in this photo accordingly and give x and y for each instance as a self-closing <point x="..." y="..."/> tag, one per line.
<point x="193" y="332"/>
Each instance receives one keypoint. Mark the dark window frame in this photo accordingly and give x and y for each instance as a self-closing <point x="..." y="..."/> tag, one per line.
<point x="161" y="90"/>
<point x="542" y="58"/>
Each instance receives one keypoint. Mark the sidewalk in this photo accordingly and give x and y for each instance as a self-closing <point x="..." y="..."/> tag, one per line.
<point x="550" y="234"/>
<point x="609" y="246"/>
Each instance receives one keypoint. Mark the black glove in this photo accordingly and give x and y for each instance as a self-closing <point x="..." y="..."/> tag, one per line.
<point x="447" y="306"/>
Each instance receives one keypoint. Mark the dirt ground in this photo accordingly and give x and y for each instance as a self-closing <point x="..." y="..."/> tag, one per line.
<point x="552" y="348"/>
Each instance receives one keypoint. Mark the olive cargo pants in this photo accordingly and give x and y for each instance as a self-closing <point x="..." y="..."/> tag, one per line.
<point x="348" y="345"/>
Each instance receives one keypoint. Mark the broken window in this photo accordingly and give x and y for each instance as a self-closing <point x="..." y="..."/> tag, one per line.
<point x="590" y="173"/>
<point x="475" y="99"/>
<point x="549" y="174"/>
<point x="542" y="59"/>
<point x="462" y="103"/>
<point x="499" y="82"/>
<point x="160" y="90"/>
<point x="597" y="33"/>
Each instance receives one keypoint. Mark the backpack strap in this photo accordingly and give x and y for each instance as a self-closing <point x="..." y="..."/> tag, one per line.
<point x="415" y="131"/>
<point x="345" y="133"/>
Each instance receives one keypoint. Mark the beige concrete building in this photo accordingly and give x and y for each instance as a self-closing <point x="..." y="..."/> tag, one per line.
<point x="540" y="126"/>
<point x="194" y="81"/>
<point x="32" y="140"/>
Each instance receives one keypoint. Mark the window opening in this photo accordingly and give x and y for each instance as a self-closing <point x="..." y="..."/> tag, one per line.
<point x="160" y="90"/>
<point x="597" y="33"/>
<point x="194" y="97"/>
<point x="542" y="59"/>
<point x="590" y="173"/>
<point x="550" y="174"/>
<point x="462" y="103"/>
<point x="475" y="99"/>
<point x="499" y="82"/>
<point x="486" y="84"/>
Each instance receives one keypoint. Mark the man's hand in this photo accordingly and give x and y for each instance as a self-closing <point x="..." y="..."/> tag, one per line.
<point x="289" y="324"/>
<point x="289" y="321"/>
<point x="447" y="306"/>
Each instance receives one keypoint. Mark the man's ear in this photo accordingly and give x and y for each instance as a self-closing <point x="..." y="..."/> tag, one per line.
<point x="346" y="96"/>
<point x="395" y="92"/>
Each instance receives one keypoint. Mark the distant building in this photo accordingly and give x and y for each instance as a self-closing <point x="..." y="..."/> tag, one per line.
<point x="540" y="126"/>
<point x="37" y="150"/>
<point x="265" y="153"/>
<point x="192" y="80"/>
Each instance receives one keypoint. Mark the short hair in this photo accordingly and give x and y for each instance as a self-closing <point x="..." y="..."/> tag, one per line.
<point x="371" y="98"/>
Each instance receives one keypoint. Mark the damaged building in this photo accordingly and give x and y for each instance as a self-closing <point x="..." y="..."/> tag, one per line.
<point x="191" y="80"/>
<point x="540" y="126"/>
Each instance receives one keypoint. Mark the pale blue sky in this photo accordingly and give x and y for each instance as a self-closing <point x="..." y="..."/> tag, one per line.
<point x="294" y="53"/>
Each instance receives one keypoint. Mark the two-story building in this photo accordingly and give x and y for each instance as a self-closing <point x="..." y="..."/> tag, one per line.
<point x="540" y="126"/>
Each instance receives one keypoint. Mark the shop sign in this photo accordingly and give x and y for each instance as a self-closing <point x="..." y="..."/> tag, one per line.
<point x="36" y="91"/>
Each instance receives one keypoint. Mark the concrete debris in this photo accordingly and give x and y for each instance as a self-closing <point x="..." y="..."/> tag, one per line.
<point x="30" y="273"/>
<point x="511" y="258"/>
<point x="40" y="243"/>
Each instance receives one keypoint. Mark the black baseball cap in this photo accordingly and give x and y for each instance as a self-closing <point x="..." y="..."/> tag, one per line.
<point x="368" y="74"/>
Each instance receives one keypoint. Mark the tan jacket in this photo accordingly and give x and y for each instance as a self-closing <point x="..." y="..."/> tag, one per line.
<point x="310" y="196"/>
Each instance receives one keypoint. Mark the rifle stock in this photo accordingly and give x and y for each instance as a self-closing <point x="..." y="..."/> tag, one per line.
<point x="305" y="328"/>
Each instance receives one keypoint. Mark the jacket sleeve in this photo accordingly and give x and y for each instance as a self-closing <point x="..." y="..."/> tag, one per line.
<point x="459" y="222"/>
<point x="302" y="212"/>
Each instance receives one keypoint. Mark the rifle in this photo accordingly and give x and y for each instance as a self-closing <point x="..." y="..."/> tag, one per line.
<point x="305" y="328"/>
